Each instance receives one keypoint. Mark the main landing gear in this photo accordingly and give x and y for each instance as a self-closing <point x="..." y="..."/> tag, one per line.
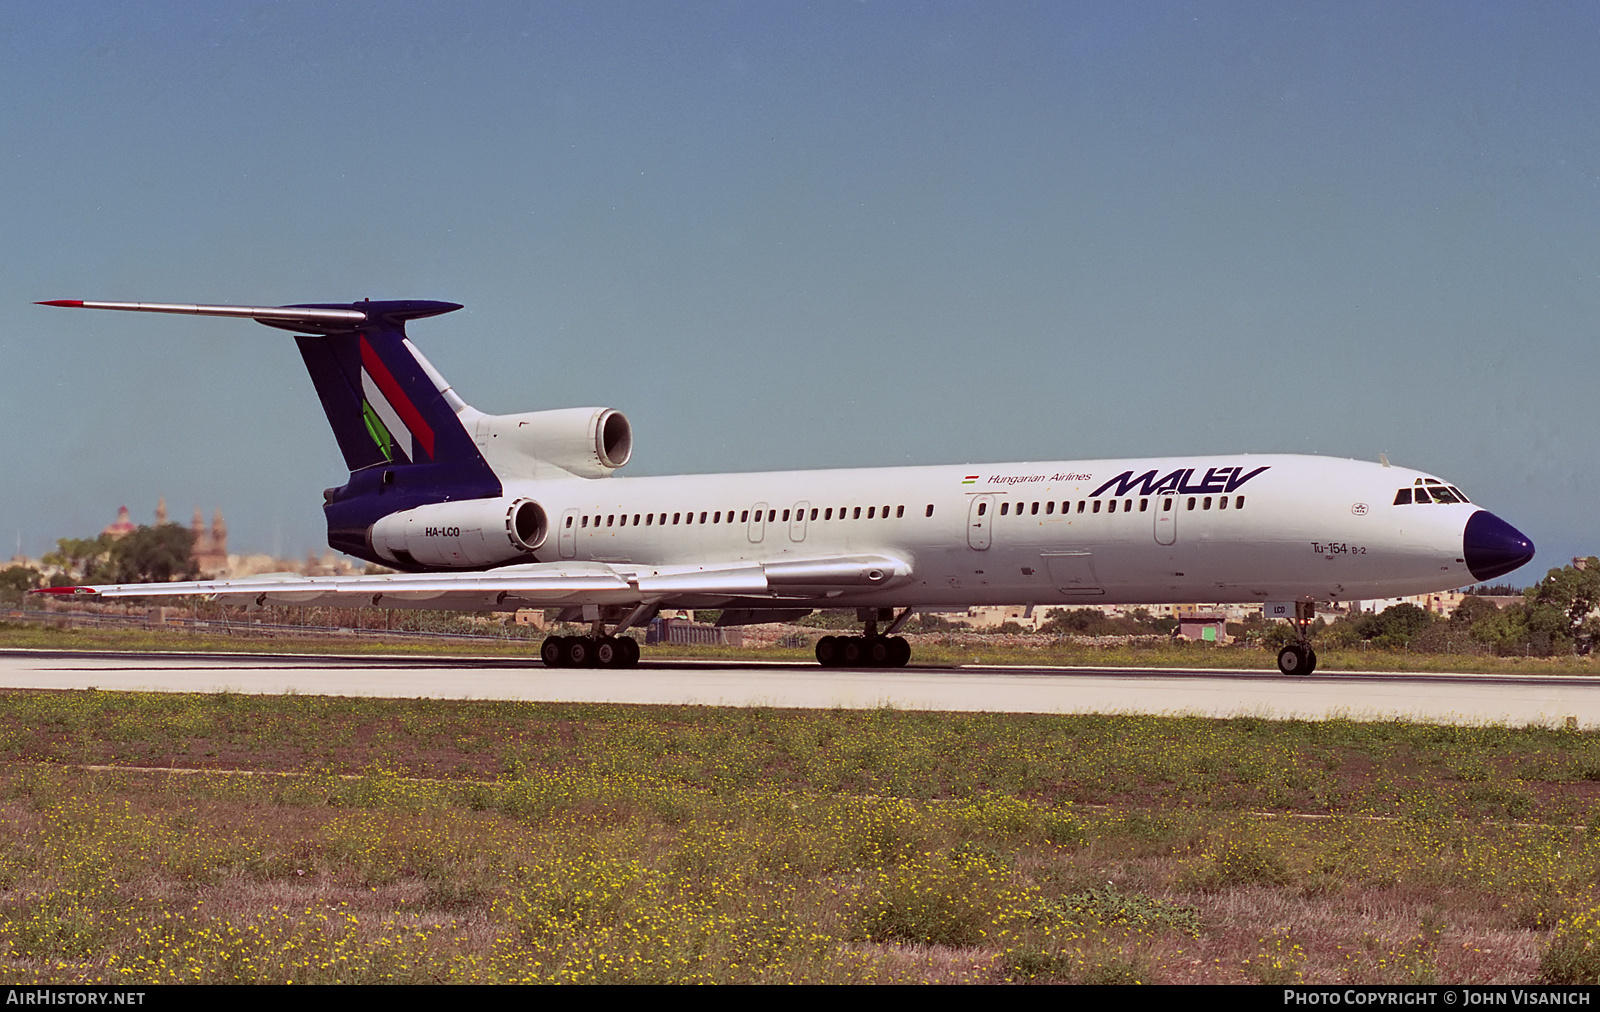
<point x="1299" y="658"/>
<point x="870" y="650"/>
<point x="599" y="649"/>
<point x="589" y="652"/>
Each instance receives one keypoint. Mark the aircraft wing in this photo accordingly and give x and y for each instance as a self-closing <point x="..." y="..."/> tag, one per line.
<point x="549" y="584"/>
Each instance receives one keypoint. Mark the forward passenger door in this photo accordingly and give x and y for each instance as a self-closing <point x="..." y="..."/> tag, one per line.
<point x="979" y="513"/>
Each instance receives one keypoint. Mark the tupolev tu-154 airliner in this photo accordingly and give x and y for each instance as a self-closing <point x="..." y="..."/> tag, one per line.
<point x="483" y="512"/>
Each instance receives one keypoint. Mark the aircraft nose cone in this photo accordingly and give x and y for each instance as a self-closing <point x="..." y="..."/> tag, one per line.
<point x="1493" y="547"/>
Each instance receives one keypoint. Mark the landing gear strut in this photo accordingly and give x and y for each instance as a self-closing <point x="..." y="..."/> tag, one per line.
<point x="1298" y="658"/>
<point x="870" y="650"/>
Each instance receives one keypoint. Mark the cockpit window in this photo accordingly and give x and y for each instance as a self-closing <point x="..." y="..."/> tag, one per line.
<point x="1429" y="490"/>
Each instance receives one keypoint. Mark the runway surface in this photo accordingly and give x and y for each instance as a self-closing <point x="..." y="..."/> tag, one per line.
<point x="1446" y="698"/>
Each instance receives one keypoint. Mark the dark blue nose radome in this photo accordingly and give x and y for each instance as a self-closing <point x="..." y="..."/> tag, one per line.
<point x="1493" y="547"/>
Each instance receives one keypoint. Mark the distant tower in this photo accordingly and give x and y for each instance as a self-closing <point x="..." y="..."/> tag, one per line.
<point x="210" y="544"/>
<point x="161" y="511"/>
<point x="202" y="537"/>
<point x="121" y="526"/>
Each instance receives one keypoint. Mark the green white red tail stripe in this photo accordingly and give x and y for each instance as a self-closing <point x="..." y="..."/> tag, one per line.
<point x="389" y="402"/>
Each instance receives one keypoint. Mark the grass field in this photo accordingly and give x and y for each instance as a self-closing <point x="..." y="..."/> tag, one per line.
<point x="215" y="838"/>
<point x="930" y="649"/>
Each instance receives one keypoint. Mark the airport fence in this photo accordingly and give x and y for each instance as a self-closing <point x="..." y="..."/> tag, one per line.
<point x="680" y="633"/>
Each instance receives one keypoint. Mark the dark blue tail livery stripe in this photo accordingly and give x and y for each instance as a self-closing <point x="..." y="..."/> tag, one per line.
<point x="383" y="407"/>
<point x="343" y="405"/>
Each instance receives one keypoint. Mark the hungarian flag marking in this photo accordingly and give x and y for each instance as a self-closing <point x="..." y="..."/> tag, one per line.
<point x="391" y="404"/>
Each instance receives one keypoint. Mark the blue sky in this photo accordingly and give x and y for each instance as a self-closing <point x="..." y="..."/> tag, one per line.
<point x="783" y="235"/>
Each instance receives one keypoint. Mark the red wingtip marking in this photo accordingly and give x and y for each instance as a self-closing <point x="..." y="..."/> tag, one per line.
<point x="74" y="591"/>
<point x="72" y="303"/>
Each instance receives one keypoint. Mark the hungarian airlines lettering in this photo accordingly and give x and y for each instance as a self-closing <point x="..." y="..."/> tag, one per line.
<point x="1180" y="481"/>
<point x="1217" y="479"/>
<point x="1028" y="479"/>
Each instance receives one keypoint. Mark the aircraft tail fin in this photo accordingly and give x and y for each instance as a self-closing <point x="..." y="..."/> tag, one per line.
<point x="384" y="400"/>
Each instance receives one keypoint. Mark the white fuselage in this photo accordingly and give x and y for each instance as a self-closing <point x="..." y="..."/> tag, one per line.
<point x="1301" y="527"/>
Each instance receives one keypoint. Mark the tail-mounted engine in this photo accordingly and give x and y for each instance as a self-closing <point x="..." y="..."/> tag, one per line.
<point x="468" y="534"/>
<point x="588" y="442"/>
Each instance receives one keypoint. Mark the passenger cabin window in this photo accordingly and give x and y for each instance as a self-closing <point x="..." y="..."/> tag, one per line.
<point x="930" y="510"/>
<point x="1097" y="505"/>
<point x="1005" y="509"/>
<point x="983" y="508"/>
<point x="899" y="512"/>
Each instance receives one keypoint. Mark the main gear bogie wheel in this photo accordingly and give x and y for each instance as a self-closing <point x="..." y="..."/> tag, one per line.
<point x="552" y="651"/>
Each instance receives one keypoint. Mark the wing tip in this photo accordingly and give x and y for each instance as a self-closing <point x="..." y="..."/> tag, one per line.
<point x="69" y="303"/>
<point x="67" y="591"/>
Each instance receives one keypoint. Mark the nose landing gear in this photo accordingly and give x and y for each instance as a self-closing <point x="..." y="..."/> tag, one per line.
<point x="1299" y="658"/>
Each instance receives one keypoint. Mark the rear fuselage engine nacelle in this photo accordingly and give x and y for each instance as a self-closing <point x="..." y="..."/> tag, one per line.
<point x="587" y="442"/>
<point x="468" y="534"/>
